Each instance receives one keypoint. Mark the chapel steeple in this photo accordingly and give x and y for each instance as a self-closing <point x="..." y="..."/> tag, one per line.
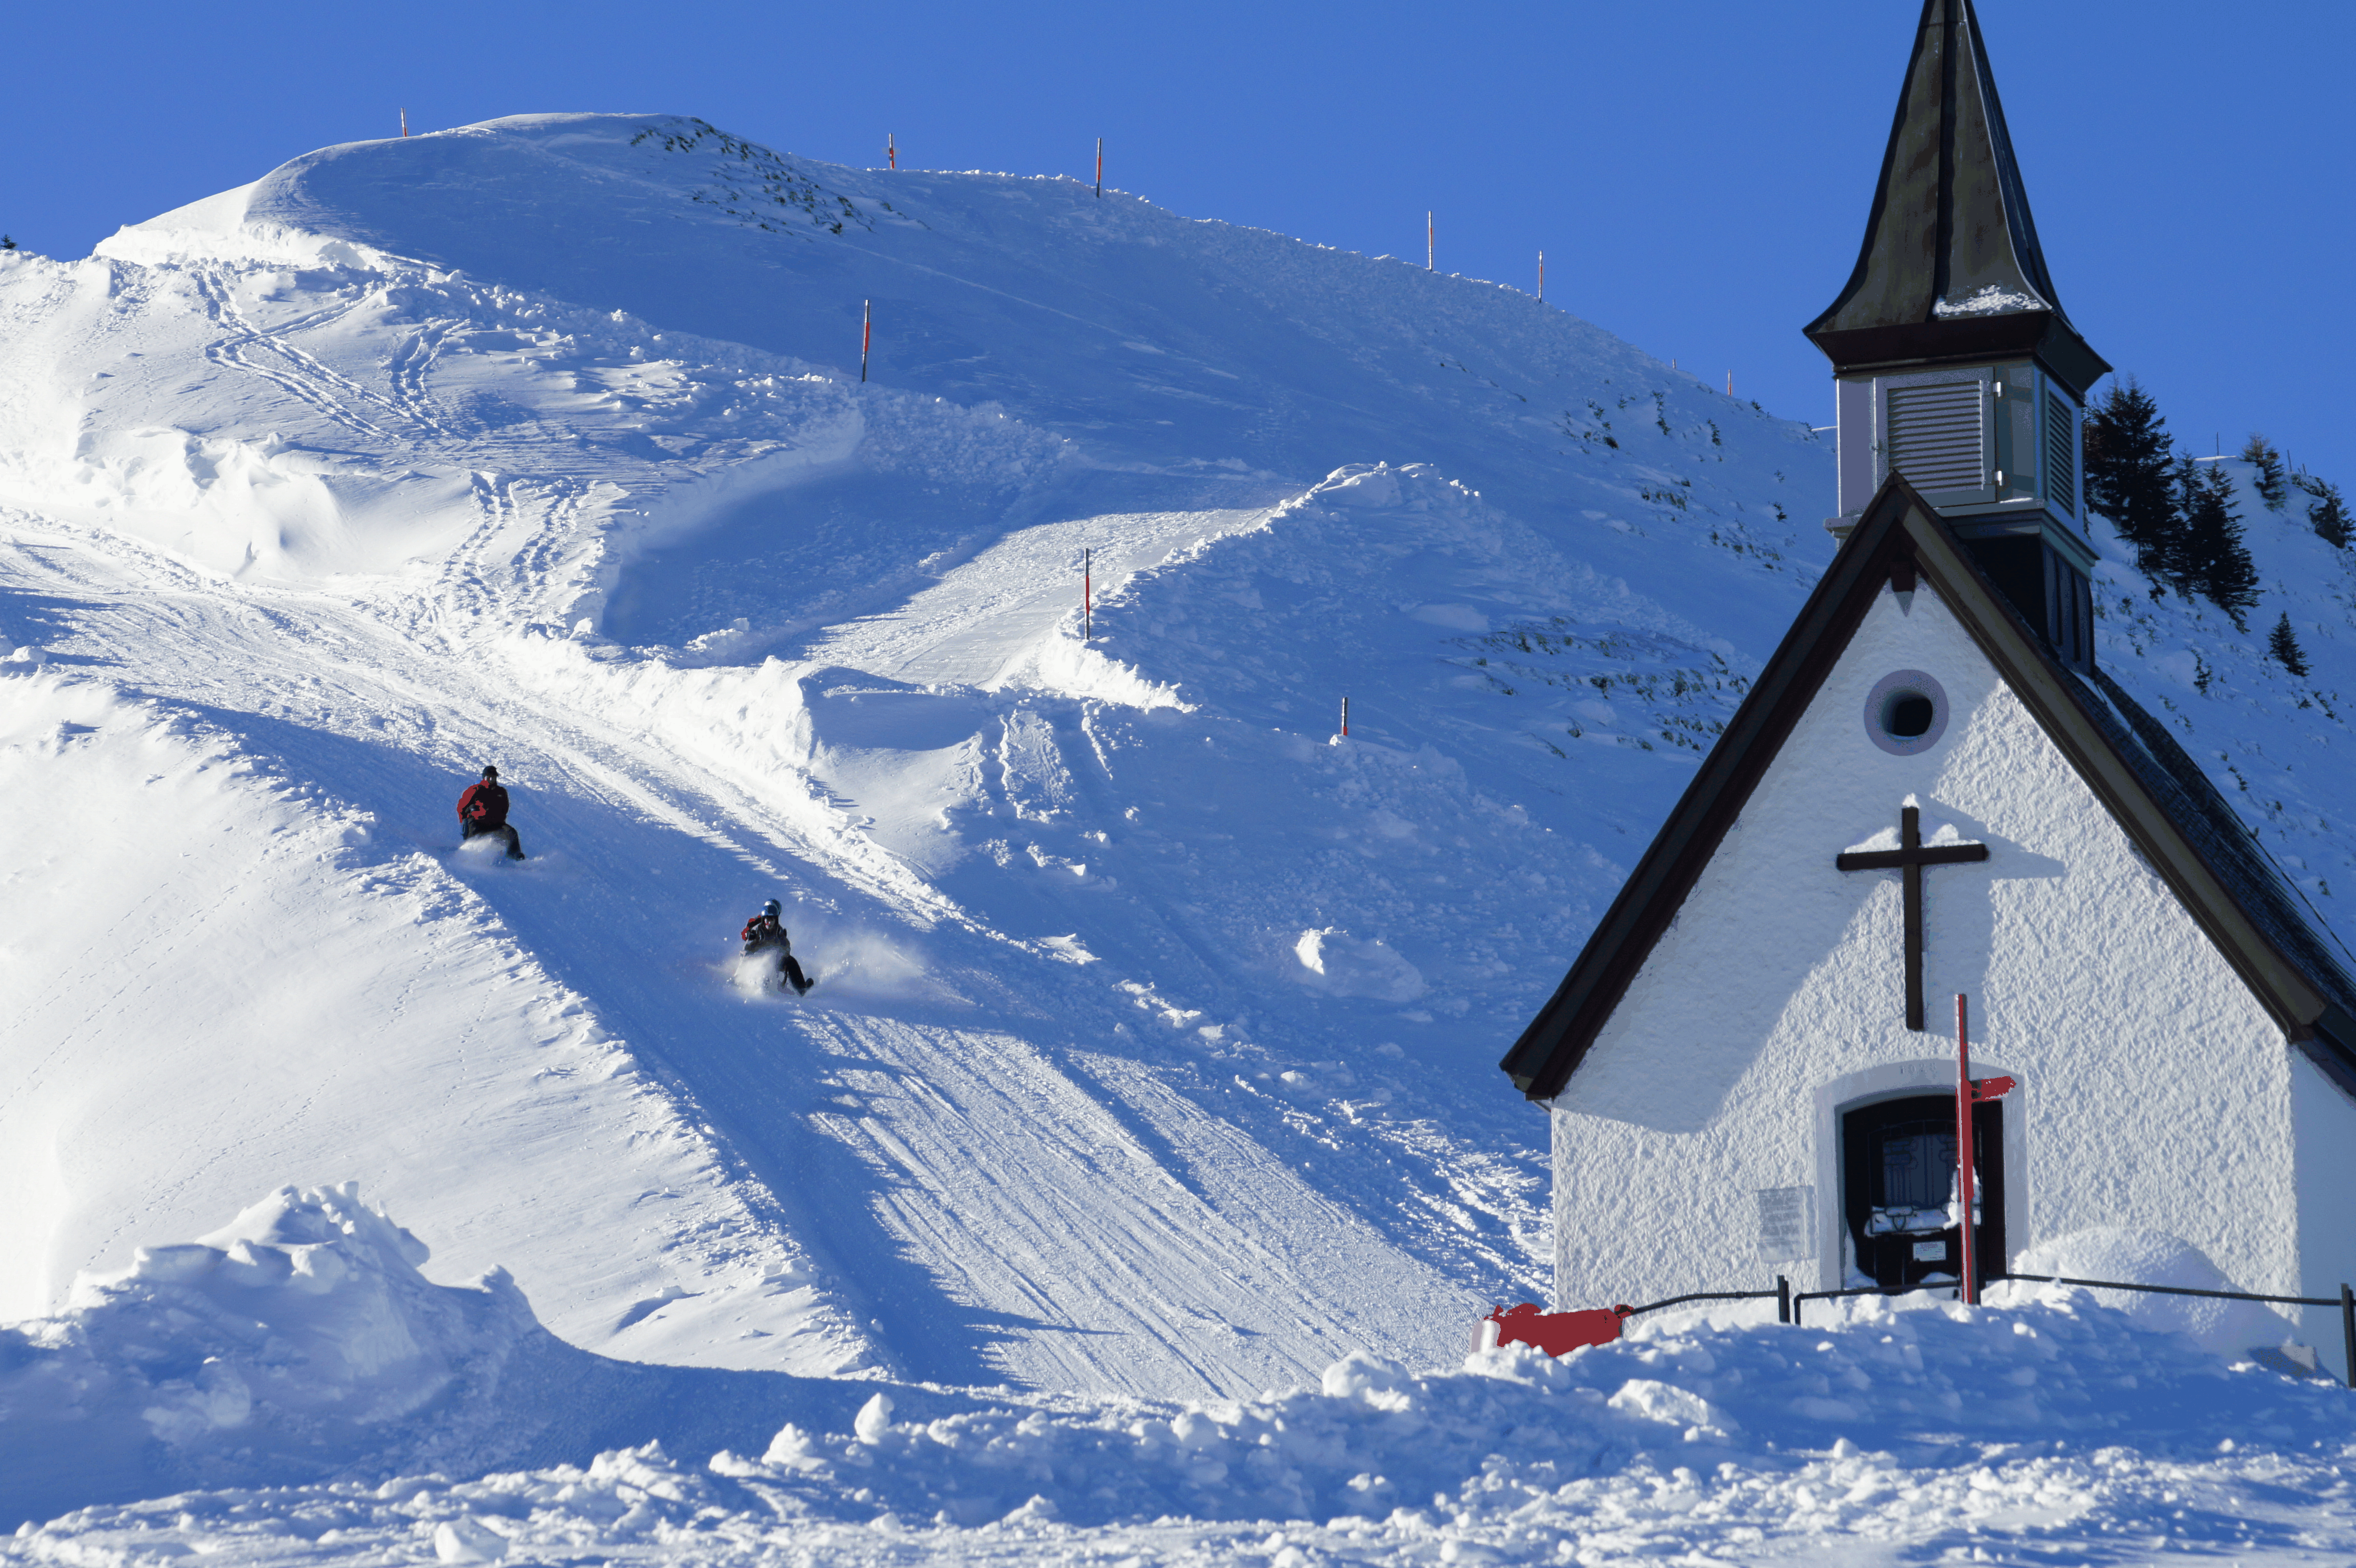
<point x="1953" y="361"/>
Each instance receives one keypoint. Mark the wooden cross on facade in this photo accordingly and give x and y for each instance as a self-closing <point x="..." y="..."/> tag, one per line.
<point x="1911" y="857"/>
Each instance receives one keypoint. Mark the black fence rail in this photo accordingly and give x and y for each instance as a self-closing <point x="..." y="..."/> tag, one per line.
<point x="1790" y="1302"/>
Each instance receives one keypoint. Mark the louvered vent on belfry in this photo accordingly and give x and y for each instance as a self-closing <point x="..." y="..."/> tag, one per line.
<point x="1934" y="435"/>
<point x="2060" y="464"/>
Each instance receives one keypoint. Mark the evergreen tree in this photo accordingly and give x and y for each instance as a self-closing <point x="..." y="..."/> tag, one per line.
<point x="6" y="244"/>
<point x="2260" y="454"/>
<point x="2327" y="510"/>
<point x="2284" y="645"/>
<point x="2127" y="478"/>
<point x="2207" y="553"/>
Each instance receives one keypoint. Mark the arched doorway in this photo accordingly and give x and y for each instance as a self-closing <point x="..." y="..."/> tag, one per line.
<point x="1899" y="1190"/>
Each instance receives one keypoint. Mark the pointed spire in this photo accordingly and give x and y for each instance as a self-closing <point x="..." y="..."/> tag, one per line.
<point x="1950" y="269"/>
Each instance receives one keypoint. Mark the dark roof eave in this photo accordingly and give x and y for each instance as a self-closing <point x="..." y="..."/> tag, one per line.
<point x="2043" y="334"/>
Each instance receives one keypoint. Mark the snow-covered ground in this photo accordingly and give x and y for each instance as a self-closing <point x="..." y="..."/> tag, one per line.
<point x="302" y="1343"/>
<point x="1152" y="1055"/>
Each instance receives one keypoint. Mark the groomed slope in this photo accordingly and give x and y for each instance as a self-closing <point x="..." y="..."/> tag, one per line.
<point x="1152" y="1045"/>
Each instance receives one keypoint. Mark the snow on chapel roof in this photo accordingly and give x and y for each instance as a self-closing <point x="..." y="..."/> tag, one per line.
<point x="2167" y="808"/>
<point x="1951" y="268"/>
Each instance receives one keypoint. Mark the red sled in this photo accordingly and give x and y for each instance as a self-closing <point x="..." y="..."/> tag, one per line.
<point x="1557" y="1333"/>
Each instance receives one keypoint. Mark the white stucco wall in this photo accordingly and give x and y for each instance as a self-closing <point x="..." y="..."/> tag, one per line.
<point x="2323" y="1120"/>
<point x="2155" y="1092"/>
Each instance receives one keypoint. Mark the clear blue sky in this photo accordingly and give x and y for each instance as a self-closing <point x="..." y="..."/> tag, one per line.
<point x="1697" y="173"/>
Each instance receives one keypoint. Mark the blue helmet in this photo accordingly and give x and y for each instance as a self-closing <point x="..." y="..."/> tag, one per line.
<point x="771" y="909"/>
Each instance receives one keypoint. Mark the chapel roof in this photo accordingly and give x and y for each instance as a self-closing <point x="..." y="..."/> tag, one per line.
<point x="1950" y="269"/>
<point x="2175" y="817"/>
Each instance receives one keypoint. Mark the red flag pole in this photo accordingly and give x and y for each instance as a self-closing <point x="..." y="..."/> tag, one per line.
<point x="1965" y="1096"/>
<point x="866" y="333"/>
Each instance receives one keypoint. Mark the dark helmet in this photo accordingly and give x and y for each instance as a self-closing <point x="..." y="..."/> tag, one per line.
<point x="771" y="909"/>
<point x="490" y="773"/>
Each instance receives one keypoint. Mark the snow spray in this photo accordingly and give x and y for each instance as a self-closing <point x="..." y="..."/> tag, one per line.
<point x="866" y="333"/>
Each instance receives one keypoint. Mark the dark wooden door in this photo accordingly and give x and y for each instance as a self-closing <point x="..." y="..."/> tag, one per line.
<point x="1899" y="1190"/>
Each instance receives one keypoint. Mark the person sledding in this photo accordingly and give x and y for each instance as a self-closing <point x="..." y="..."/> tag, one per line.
<point x="765" y="933"/>
<point x="483" y="809"/>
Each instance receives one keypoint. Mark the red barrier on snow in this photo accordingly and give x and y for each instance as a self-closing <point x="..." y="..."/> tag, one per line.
<point x="1557" y="1333"/>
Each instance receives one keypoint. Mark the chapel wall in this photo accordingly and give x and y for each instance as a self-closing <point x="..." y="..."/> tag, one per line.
<point x="2155" y="1092"/>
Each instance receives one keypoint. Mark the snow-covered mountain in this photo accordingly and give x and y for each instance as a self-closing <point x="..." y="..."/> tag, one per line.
<point x="1153" y="1053"/>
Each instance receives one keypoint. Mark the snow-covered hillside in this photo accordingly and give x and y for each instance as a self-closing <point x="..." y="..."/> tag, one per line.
<point x="1154" y="1050"/>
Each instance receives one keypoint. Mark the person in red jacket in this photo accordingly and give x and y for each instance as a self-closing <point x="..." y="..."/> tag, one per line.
<point x="764" y="931"/>
<point x="483" y="809"/>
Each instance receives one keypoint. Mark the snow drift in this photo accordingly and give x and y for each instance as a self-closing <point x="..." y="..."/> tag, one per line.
<point x="300" y="1339"/>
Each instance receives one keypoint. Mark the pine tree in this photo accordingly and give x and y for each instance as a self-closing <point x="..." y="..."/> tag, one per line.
<point x="2169" y="553"/>
<point x="6" y="244"/>
<point x="2127" y="478"/>
<point x="2209" y="553"/>
<point x="2284" y="645"/>
<point x="2327" y="510"/>
<point x="2260" y="454"/>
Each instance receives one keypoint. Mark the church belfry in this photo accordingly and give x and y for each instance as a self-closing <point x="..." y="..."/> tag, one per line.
<point x="1952" y="361"/>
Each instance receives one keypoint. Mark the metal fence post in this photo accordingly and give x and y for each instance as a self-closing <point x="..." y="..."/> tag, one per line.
<point x="1784" y="1299"/>
<point x="2347" y="1330"/>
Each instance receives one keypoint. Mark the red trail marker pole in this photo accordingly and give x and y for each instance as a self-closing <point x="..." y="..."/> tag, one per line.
<point x="1969" y="1092"/>
<point x="1099" y="169"/>
<point x="1428" y="233"/>
<point x="866" y="333"/>
<point x="891" y="153"/>
<point x="1345" y="718"/>
<point x="1967" y="1275"/>
<point x="1087" y="595"/>
<point x="404" y="123"/>
<point x="1541" y="278"/>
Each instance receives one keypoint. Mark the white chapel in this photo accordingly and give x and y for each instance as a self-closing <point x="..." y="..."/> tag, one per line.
<point x="1751" y="1068"/>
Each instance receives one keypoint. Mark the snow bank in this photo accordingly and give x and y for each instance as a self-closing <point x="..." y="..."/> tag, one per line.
<point x="296" y="1340"/>
<point x="1921" y="1427"/>
<point x="2157" y="1258"/>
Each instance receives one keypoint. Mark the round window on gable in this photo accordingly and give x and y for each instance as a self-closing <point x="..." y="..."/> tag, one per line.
<point x="1907" y="712"/>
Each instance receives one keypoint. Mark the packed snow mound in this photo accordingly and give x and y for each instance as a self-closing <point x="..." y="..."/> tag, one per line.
<point x="1919" y="1428"/>
<point x="280" y="1347"/>
<point x="300" y="1343"/>
<point x="2158" y="1258"/>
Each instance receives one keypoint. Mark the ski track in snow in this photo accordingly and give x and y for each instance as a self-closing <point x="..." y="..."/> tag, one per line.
<point x="307" y="531"/>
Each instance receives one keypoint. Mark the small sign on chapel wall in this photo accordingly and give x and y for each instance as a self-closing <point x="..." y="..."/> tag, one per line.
<point x="1787" y="1216"/>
